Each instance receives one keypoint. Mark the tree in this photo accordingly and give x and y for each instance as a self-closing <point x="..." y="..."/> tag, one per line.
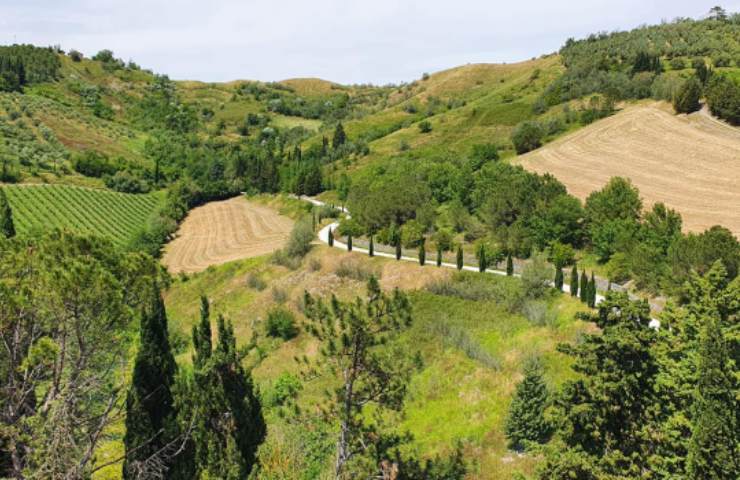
<point x="527" y="136"/>
<point x="349" y="242"/>
<point x="368" y="377"/>
<point x="460" y="259"/>
<point x="526" y="421"/>
<point x="340" y="137"/>
<point x="536" y="276"/>
<point x="371" y="247"/>
<point x="330" y="238"/>
<point x="152" y="441"/>
<point x="559" y="280"/>
<point x="481" y="254"/>
<point x="439" y="255"/>
<point x="7" y="227"/>
<point x="574" y="281"/>
<point x="714" y="451"/>
<point x="717" y="13"/>
<point x="229" y="426"/>
<point x="422" y="253"/>
<point x="592" y="291"/>
<point x="509" y="265"/>
<point x="686" y="99"/>
<point x="585" y="289"/>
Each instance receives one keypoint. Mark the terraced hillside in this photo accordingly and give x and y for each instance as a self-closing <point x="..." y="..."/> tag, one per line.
<point x="117" y="216"/>
<point x="691" y="163"/>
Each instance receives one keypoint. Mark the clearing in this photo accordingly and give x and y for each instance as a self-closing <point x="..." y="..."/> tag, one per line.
<point x="220" y="232"/>
<point x="690" y="163"/>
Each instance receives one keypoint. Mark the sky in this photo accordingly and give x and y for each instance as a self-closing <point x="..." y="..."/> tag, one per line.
<point x="346" y="41"/>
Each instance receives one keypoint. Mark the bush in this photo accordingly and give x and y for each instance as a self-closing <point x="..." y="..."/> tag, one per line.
<point x="425" y="126"/>
<point x="300" y="239"/>
<point x="678" y="63"/>
<point x="536" y="276"/>
<point x="92" y="164"/>
<point x="281" y="323"/>
<point x="527" y="136"/>
<point x="75" y="55"/>
<point x="282" y="391"/>
<point x="255" y="282"/>
<point x="126" y="182"/>
<point x="539" y="313"/>
<point x="356" y="270"/>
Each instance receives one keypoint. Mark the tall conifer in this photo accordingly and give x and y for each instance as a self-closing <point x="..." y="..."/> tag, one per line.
<point x="526" y="421"/>
<point x="7" y="227"/>
<point x="574" y="281"/>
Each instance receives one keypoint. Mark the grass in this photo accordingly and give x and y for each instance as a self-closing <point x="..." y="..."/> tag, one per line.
<point x="117" y="216"/>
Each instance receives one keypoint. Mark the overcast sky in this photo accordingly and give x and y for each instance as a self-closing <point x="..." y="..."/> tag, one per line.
<point x="347" y="41"/>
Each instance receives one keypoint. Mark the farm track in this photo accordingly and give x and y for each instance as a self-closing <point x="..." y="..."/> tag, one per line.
<point x="691" y="163"/>
<point x="220" y="232"/>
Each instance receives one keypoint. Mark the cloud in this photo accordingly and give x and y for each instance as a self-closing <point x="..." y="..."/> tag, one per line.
<point x="348" y="41"/>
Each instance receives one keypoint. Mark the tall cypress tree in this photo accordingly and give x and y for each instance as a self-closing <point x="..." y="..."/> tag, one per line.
<point x="574" y="281"/>
<point x="509" y="265"/>
<point x="7" y="227"/>
<point x="349" y="242"/>
<point x="482" y="261"/>
<point x="422" y="253"/>
<point x="559" y="278"/>
<point x="330" y="238"/>
<point x="439" y="255"/>
<point x="592" y="291"/>
<point x="371" y="247"/>
<point x="151" y="426"/>
<point x="229" y="423"/>
<point x="713" y="451"/>
<point x="585" y="290"/>
<point x="526" y="421"/>
<point x="398" y="249"/>
<point x="460" y="258"/>
<point x="339" y="136"/>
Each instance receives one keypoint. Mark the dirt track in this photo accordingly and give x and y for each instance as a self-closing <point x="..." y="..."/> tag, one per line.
<point x="692" y="164"/>
<point x="220" y="232"/>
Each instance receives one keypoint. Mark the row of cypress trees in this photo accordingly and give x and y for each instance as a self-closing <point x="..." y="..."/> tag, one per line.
<point x="204" y="423"/>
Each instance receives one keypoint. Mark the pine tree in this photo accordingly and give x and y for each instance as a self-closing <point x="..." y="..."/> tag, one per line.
<point x="439" y="256"/>
<point x="339" y="136"/>
<point x="713" y="451"/>
<point x="460" y="258"/>
<point x="7" y="228"/>
<point x="592" y="291"/>
<point x="526" y="421"/>
<point x="229" y="423"/>
<point x="330" y="238"/>
<point x="152" y="437"/>
<point x="574" y="281"/>
<point x="349" y="242"/>
<point x="509" y="265"/>
<point x="371" y="247"/>
<point x="585" y="290"/>
<point x="559" y="280"/>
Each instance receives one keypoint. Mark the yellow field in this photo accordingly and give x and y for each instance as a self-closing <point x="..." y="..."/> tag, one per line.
<point x="691" y="163"/>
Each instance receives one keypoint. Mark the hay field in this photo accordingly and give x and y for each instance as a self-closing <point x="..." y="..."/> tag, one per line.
<point x="220" y="232"/>
<point x="691" y="163"/>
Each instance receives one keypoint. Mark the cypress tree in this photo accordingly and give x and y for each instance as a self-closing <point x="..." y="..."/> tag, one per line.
<point x="460" y="257"/>
<point x="526" y="421"/>
<point x="592" y="291"/>
<point x="371" y="247"/>
<point x="713" y="450"/>
<point x="349" y="242"/>
<point x="422" y="254"/>
<point x="439" y="256"/>
<point x="574" y="281"/>
<point x="559" y="278"/>
<point x="229" y="423"/>
<point x="7" y="227"/>
<point x="482" y="261"/>
<point x="150" y="412"/>
<point x="313" y="221"/>
<point x="331" y="238"/>
<point x="398" y="250"/>
<point x="509" y="265"/>
<point x="339" y="136"/>
<point x="585" y="290"/>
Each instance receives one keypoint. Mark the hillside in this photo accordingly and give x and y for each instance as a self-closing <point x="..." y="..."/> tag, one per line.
<point x="691" y="163"/>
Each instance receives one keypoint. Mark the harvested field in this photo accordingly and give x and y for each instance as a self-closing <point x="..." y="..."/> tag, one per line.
<point x="691" y="163"/>
<point x="224" y="231"/>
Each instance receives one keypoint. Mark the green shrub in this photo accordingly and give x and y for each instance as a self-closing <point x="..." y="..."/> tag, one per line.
<point x="281" y="323"/>
<point x="425" y="126"/>
<point x="687" y="97"/>
<point x="284" y="389"/>
<point x="527" y="136"/>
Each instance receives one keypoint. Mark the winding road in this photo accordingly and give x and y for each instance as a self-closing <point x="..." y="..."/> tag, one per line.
<point x="324" y="237"/>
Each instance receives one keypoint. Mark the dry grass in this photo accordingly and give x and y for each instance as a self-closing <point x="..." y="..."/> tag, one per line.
<point x="691" y="163"/>
<point x="221" y="232"/>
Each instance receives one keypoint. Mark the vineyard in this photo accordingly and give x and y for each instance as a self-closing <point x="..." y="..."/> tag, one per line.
<point x="117" y="216"/>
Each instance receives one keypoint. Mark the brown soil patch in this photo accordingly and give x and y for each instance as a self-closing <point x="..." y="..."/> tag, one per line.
<point x="220" y="232"/>
<point x="691" y="163"/>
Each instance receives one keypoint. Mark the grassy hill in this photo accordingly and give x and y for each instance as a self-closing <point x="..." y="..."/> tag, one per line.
<point x="116" y="216"/>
